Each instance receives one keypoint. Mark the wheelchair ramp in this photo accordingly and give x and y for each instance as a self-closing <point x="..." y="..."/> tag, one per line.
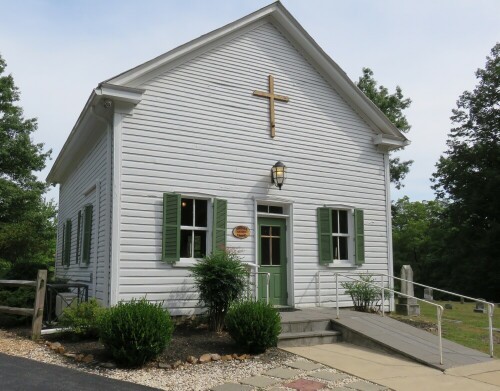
<point x="375" y="331"/>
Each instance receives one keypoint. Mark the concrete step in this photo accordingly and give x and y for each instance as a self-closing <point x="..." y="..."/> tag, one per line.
<point x="309" y="338"/>
<point x="300" y="326"/>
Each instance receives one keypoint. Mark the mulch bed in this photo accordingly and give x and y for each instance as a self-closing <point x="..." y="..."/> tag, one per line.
<point x="187" y="340"/>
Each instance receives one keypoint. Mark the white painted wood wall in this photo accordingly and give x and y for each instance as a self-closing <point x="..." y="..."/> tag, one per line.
<point x="199" y="129"/>
<point x="88" y="177"/>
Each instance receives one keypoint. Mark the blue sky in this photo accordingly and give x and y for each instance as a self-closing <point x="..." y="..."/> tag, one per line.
<point x="58" y="51"/>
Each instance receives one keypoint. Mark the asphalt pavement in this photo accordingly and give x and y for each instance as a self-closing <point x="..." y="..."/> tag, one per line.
<point x="17" y="373"/>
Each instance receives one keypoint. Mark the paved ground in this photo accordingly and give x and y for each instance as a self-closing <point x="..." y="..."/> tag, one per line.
<point x="18" y="374"/>
<point x="400" y="373"/>
<point x="396" y="336"/>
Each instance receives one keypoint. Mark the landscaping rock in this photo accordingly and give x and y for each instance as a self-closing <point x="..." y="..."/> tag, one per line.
<point x="70" y="355"/>
<point x="164" y="365"/>
<point x="215" y="357"/>
<point x="108" y="365"/>
<point x="234" y="355"/>
<point x="176" y="364"/>
<point x="88" y="359"/>
<point x="60" y="350"/>
<point x="205" y="358"/>
<point x="227" y="357"/>
<point x="192" y="360"/>
<point x="54" y="345"/>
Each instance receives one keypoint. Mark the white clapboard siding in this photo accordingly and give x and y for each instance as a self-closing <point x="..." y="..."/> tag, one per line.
<point x="86" y="185"/>
<point x="199" y="129"/>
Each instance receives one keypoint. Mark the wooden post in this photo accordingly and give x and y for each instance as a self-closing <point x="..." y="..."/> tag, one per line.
<point x="41" y="286"/>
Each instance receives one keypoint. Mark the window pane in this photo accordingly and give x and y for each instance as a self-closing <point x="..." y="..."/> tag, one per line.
<point x="343" y="221"/>
<point x="276" y="251"/>
<point x="276" y="209"/>
<point x="186" y="244"/>
<point x="262" y="208"/>
<point x="264" y="251"/>
<point x="335" y="221"/>
<point x="187" y="212"/>
<point x="275" y="231"/>
<point x="200" y="244"/>
<point x="200" y="213"/>
<point x="335" y="247"/>
<point x="343" y="248"/>
<point x="265" y="230"/>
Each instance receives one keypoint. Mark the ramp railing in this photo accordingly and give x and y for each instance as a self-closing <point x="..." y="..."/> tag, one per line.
<point x="268" y="279"/>
<point x="439" y="308"/>
<point x="491" y="306"/>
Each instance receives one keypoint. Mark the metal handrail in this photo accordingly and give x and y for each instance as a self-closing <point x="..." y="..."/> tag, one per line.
<point x="491" y="306"/>
<point x="268" y="279"/>
<point x="439" y="308"/>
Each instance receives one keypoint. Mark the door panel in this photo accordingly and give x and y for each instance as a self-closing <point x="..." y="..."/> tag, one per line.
<point x="272" y="259"/>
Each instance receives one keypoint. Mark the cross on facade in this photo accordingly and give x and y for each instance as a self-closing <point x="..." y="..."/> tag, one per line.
<point x="272" y="97"/>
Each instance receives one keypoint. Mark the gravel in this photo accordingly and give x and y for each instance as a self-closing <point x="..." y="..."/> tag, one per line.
<point x="187" y="377"/>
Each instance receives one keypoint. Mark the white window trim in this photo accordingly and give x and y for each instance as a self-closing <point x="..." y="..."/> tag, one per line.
<point x="349" y="262"/>
<point x="187" y="262"/>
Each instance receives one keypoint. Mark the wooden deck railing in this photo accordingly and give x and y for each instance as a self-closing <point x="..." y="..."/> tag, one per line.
<point x="37" y="311"/>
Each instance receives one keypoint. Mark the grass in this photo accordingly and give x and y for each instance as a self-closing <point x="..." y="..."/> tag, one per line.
<point x="460" y="324"/>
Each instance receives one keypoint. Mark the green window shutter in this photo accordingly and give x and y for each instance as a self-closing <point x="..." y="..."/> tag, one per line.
<point x="63" y="247"/>
<point x="359" y="239"/>
<point x="67" y="243"/>
<point x="78" y="236"/>
<point x="325" y="236"/>
<point x="219" y="225"/>
<point x="171" y="228"/>
<point x="87" y="233"/>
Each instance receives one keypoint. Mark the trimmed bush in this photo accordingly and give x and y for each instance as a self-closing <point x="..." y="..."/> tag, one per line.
<point x="363" y="294"/>
<point x="254" y="325"/>
<point x="221" y="279"/>
<point x="135" y="332"/>
<point x="82" y="319"/>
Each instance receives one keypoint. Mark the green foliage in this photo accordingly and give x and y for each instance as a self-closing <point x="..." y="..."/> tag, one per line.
<point x="419" y="234"/>
<point x="83" y="318"/>
<point x="26" y="270"/>
<point x="135" y="332"/>
<point x="364" y="295"/>
<point x="23" y="297"/>
<point x="392" y="105"/>
<point x="254" y="325"/>
<point x="27" y="226"/>
<point x="221" y="279"/>
<point x="468" y="179"/>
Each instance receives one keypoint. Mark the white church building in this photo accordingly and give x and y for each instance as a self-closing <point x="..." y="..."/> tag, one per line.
<point x="249" y="137"/>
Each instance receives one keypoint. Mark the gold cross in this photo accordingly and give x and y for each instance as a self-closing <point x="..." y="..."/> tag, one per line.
<point x="271" y="96"/>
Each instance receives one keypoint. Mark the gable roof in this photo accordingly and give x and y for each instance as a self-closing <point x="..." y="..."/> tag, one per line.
<point x="123" y="87"/>
<point x="279" y="16"/>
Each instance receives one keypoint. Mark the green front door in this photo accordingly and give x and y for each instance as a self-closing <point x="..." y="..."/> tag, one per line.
<point x="272" y="259"/>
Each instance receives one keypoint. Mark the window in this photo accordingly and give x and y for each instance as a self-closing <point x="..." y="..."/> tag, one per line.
<point x="66" y="243"/>
<point x="270" y="209"/>
<point x="87" y="233"/>
<point x="341" y="236"/>
<point x="192" y="227"/>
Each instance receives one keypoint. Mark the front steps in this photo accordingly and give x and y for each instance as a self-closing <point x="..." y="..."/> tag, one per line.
<point x="305" y="332"/>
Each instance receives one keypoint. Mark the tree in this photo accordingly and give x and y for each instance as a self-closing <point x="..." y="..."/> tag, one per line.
<point x="392" y="105"/>
<point x="27" y="226"/>
<point x="468" y="178"/>
<point x="419" y="234"/>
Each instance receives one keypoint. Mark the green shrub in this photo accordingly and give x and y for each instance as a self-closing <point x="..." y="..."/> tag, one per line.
<point x="82" y="319"/>
<point x="364" y="295"/>
<point x="25" y="270"/>
<point x="254" y="325"/>
<point x="221" y="279"/>
<point x="135" y="332"/>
